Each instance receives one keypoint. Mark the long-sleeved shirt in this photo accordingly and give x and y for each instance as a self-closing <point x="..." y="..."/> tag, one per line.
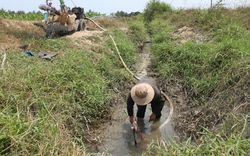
<point x="157" y="103"/>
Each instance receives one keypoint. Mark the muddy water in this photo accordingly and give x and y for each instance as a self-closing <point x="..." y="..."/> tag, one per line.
<point x="118" y="139"/>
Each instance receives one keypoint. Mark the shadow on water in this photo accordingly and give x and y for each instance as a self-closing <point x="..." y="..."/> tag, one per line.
<point x="118" y="139"/>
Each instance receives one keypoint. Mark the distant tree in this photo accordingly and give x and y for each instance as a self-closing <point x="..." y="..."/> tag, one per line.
<point x="11" y="12"/>
<point x="134" y="13"/>
<point x="112" y="14"/>
<point x="91" y="13"/>
<point x="121" y="14"/>
<point x="39" y="12"/>
<point x="20" y="12"/>
<point x="154" y="8"/>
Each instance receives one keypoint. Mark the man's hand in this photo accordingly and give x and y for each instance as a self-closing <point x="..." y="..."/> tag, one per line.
<point x="132" y="119"/>
<point x="152" y="117"/>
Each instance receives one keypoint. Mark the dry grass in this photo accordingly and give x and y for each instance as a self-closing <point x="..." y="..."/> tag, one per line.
<point x="13" y="33"/>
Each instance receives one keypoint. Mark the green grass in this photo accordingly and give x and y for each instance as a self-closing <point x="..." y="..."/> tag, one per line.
<point x="210" y="144"/>
<point x="50" y="107"/>
<point x="69" y="88"/>
<point x="215" y="74"/>
<point x="202" y="66"/>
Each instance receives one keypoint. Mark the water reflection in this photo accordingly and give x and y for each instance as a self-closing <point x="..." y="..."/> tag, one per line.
<point x="119" y="139"/>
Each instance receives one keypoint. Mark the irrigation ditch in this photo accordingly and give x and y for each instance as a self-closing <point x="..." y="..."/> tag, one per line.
<point x="223" y="108"/>
<point x="116" y="137"/>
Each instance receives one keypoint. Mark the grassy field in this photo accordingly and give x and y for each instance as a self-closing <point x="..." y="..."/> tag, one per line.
<point x="206" y="52"/>
<point x="52" y="107"/>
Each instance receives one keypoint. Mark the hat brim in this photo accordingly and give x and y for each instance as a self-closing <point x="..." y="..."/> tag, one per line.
<point x="147" y="99"/>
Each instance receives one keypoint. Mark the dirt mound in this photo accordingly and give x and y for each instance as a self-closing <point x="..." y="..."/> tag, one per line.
<point x="14" y="31"/>
<point x="185" y="34"/>
<point x="80" y="34"/>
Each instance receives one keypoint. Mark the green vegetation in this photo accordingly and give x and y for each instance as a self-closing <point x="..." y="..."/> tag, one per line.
<point x="213" y="67"/>
<point x="91" y="13"/>
<point x="21" y="15"/>
<point x="51" y="108"/>
<point x="39" y="15"/>
<point x="155" y="8"/>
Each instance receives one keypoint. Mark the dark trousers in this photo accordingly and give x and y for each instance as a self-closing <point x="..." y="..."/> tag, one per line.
<point x="141" y="112"/>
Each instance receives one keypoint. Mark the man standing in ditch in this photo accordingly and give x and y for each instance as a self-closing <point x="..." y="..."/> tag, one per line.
<point x="144" y="92"/>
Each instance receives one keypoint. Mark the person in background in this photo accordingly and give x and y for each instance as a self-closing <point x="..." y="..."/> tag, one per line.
<point x="144" y="92"/>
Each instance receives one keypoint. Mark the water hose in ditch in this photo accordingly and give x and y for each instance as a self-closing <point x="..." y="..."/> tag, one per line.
<point x="117" y="50"/>
<point x="165" y="95"/>
<point x="171" y="110"/>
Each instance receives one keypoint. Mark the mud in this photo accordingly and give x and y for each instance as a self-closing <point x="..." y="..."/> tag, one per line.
<point x="117" y="139"/>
